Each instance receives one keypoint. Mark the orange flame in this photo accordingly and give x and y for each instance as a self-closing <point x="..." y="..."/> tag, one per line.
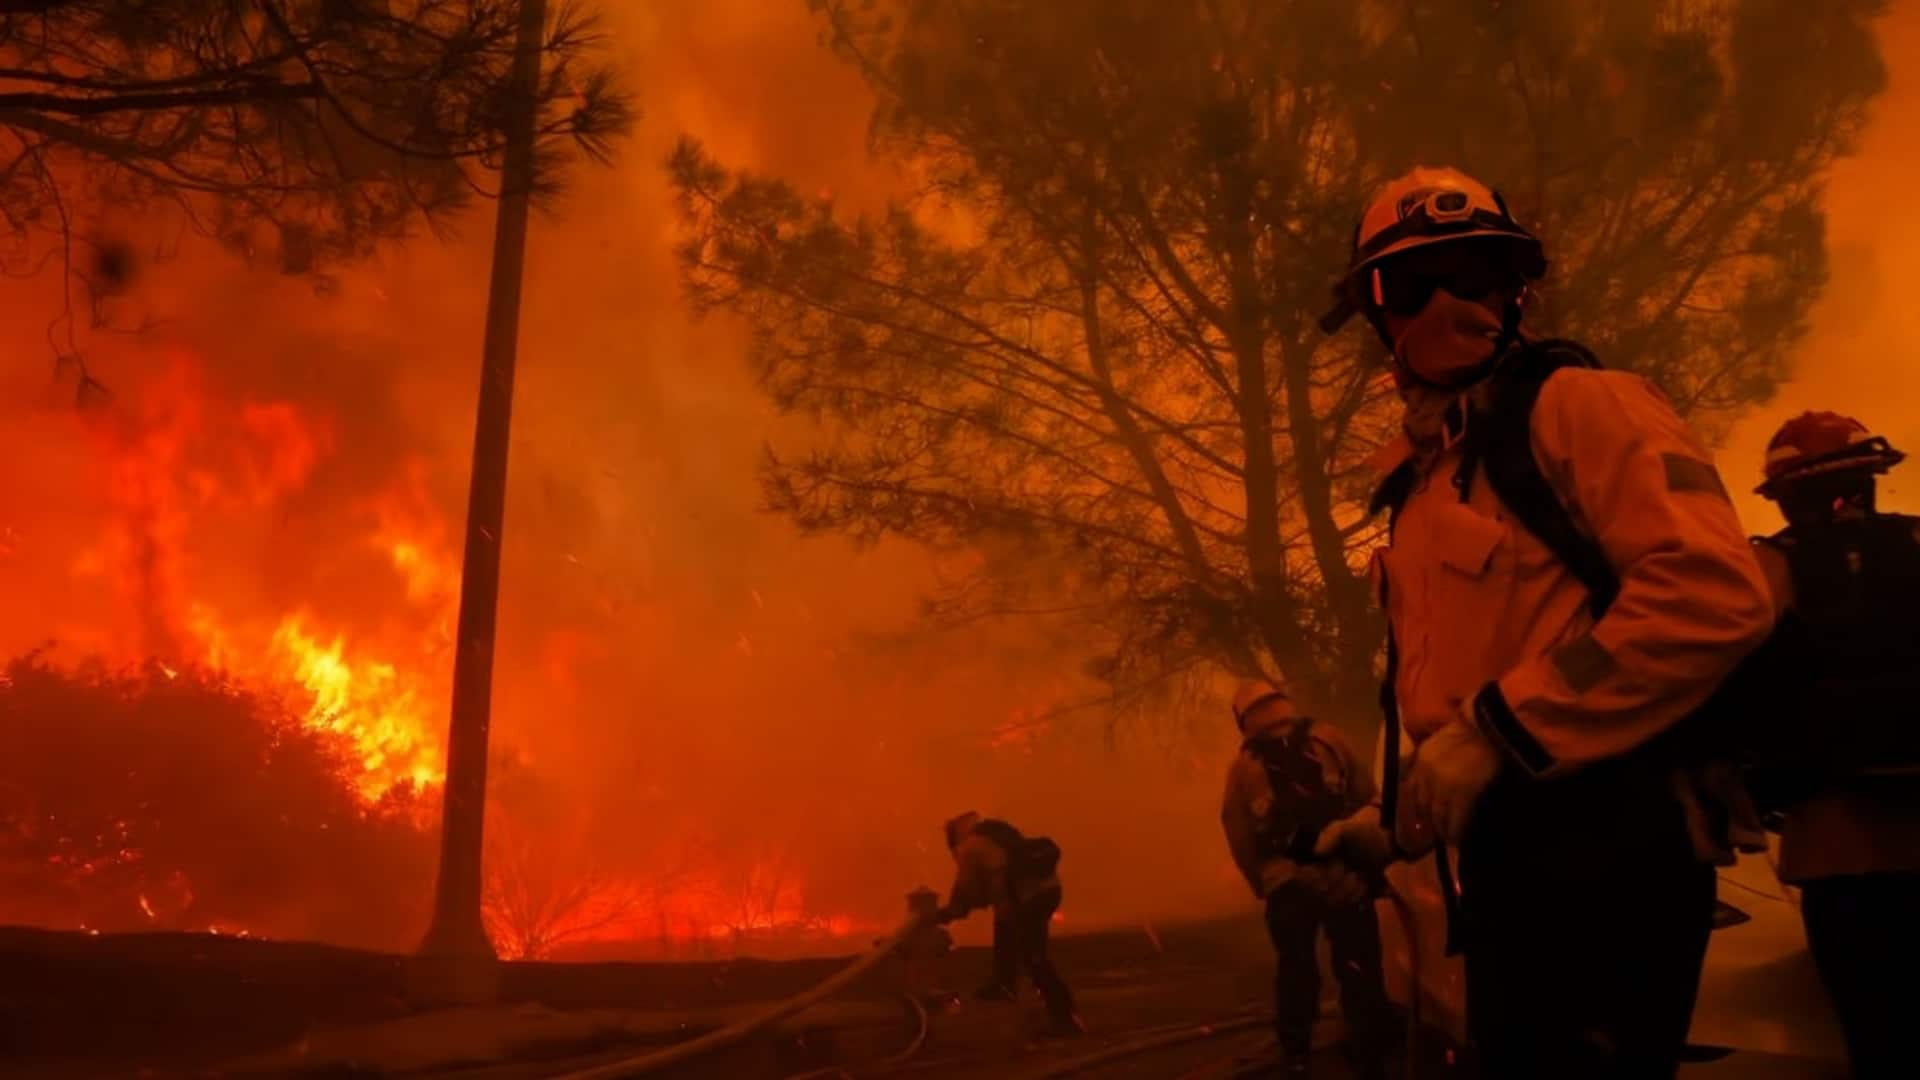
<point x="375" y="707"/>
<point x="176" y="453"/>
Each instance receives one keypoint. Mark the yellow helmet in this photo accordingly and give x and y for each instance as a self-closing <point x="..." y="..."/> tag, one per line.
<point x="1427" y="206"/>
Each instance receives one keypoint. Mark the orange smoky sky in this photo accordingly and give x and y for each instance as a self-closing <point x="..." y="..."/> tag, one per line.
<point x="1860" y="355"/>
<point x="675" y="667"/>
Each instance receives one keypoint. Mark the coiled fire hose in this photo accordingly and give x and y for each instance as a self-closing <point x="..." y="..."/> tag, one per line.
<point x="734" y="1033"/>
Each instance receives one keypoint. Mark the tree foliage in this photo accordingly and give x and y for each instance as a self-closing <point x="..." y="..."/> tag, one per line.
<point x="1087" y="344"/>
<point x="311" y="129"/>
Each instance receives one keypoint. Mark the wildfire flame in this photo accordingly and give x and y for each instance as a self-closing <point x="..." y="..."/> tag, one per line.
<point x="370" y="703"/>
<point x="530" y="913"/>
<point x="362" y="657"/>
<point x="177" y="453"/>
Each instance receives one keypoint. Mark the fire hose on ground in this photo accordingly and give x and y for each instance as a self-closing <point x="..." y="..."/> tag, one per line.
<point x="923" y="1026"/>
<point x="1158" y="1040"/>
<point x="734" y="1033"/>
<point x="1190" y="1033"/>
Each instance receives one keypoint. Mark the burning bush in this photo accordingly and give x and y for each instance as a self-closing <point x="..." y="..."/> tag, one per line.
<point x="150" y="798"/>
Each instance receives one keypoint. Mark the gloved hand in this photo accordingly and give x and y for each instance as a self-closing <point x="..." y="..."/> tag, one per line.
<point x="1334" y="882"/>
<point x="1358" y="839"/>
<point x="1451" y="769"/>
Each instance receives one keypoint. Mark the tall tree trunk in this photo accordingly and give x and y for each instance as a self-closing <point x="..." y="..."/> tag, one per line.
<point x="1354" y="703"/>
<point x="457" y="930"/>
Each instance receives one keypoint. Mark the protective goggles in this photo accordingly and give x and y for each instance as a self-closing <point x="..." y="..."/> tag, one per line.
<point x="1404" y="286"/>
<point x="1442" y="215"/>
<point x="1469" y="268"/>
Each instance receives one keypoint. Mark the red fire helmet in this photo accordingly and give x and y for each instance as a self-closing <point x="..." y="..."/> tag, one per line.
<point x="1815" y="443"/>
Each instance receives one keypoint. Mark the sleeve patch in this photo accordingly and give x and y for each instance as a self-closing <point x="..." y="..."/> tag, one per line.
<point x="1583" y="663"/>
<point x="1691" y="474"/>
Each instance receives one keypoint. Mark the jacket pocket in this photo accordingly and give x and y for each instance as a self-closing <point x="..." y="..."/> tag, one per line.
<point x="1467" y="542"/>
<point x="1469" y="596"/>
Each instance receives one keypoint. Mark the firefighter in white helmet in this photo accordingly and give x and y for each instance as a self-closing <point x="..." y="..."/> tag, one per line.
<point x="1843" y="766"/>
<point x="1293" y="777"/>
<point x="1566" y="585"/>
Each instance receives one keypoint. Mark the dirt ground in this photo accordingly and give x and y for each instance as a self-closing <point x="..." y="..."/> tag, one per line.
<point x="178" y="1005"/>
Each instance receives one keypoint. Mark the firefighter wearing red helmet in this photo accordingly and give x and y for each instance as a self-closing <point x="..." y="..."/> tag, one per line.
<point x="1566" y="584"/>
<point x="1845" y="772"/>
<point x="1829" y="445"/>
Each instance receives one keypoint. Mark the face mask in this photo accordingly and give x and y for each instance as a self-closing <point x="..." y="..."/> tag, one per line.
<point x="1449" y="343"/>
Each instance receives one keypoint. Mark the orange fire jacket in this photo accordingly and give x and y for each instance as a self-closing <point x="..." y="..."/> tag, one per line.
<point x="1476" y="601"/>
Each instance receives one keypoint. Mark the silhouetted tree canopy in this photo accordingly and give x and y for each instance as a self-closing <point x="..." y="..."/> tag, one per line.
<point x="1086" y="346"/>
<point x="311" y="129"/>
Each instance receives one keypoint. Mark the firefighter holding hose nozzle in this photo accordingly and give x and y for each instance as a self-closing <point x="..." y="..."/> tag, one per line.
<point x="1018" y="877"/>
<point x="1294" y="777"/>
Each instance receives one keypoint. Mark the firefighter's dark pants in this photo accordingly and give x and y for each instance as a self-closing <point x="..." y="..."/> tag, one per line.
<point x="1021" y="942"/>
<point x="1294" y="914"/>
<point x="1866" y="942"/>
<point x="1584" y="918"/>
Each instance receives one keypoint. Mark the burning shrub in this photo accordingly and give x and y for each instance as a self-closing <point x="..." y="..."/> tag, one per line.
<point x="150" y="798"/>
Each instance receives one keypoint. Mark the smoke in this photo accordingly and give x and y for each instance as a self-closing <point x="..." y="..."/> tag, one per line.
<point x="1857" y="359"/>
<point x="680" y="676"/>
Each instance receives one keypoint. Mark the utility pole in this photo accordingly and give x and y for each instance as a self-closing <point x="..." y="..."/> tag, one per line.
<point x="457" y="933"/>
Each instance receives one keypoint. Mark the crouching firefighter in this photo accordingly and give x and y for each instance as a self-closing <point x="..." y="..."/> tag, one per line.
<point x="1566" y="587"/>
<point x="1018" y="877"/>
<point x="1841" y="764"/>
<point x="1293" y="777"/>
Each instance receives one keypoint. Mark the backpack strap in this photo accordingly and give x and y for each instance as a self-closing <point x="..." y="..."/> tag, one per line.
<point x="1504" y="448"/>
<point x="1391" y="496"/>
<point x="1305" y="739"/>
<point x="1393" y="491"/>
<point x="1390" y="769"/>
<point x="1296" y="743"/>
